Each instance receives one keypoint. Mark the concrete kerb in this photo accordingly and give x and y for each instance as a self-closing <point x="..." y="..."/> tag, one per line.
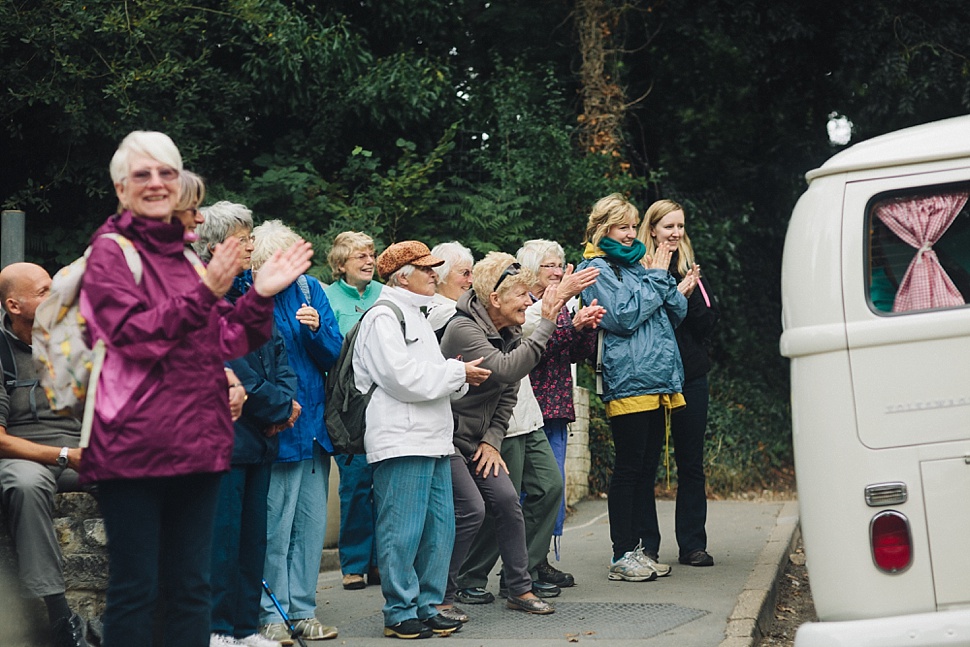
<point x="752" y="615"/>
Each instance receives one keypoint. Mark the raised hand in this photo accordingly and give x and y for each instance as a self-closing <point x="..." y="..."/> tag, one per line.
<point x="575" y="282"/>
<point x="690" y="280"/>
<point x="474" y="374"/>
<point x="661" y="258"/>
<point x="282" y="269"/>
<point x="223" y="267"/>
<point x="552" y="303"/>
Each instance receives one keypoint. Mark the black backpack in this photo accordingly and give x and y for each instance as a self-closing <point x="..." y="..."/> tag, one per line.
<point x="346" y="408"/>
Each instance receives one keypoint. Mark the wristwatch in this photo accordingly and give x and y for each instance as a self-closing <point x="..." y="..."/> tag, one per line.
<point x="62" y="457"/>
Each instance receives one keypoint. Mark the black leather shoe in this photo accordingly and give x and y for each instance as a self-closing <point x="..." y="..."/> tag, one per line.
<point x="442" y="625"/>
<point x="476" y="595"/>
<point x="699" y="557"/>
<point x="410" y="628"/>
<point x="551" y="575"/>
<point x="539" y="589"/>
<point x="69" y="632"/>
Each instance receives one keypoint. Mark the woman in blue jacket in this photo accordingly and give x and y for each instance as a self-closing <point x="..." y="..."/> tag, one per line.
<point x="642" y="370"/>
<point x="297" y="502"/>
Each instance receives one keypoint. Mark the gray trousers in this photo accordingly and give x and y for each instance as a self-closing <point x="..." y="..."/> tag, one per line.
<point x="27" y="493"/>
<point x="473" y="494"/>
<point x="533" y="469"/>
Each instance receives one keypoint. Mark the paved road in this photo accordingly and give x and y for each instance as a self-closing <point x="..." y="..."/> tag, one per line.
<point x="693" y="607"/>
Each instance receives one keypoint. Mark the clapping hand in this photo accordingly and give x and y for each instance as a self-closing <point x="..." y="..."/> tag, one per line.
<point x="223" y="267"/>
<point x="590" y="316"/>
<point x="552" y="303"/>
<point x="690" y="281"/>
<point x="573" y="283"/>
<point x="282" y="269"/>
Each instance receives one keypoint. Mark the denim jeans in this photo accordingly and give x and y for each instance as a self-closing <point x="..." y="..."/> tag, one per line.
<point x="356" y="542"/>
<point x="557" y="431"/>
<point x="239" y="550"/>
<point x="415" y="534"/>
<point x="296" y="516"/>
<point x="159" y="538"/>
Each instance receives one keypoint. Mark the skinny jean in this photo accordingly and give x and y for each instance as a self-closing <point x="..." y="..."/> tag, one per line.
<point x="296" y="515"/>
<point x="532" y="469"/>
<point x="473" y="493"/>
<point x="159" y="535"/>
<point x="688" y="427"/>
<point x="415" y="534"/>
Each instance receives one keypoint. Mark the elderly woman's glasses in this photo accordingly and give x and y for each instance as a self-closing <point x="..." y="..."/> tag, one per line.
<point x="511" y="270"/>
<point x="144" y="176"/>
<point x="553" y="266"/>
<point x="364" y="257"/>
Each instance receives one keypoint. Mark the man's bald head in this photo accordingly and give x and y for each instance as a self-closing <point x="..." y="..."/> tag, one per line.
<point x="22" y="287"/>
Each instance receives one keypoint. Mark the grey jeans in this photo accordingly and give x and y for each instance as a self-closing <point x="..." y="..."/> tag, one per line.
<point x="472" y="494"/>
<point x="27" y="493"/>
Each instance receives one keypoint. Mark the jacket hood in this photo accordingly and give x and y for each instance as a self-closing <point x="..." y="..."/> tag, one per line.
<point x="470" y="305"/>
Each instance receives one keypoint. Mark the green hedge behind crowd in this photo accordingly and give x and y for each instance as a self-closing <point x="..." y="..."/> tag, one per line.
<point x="464" y="120"/>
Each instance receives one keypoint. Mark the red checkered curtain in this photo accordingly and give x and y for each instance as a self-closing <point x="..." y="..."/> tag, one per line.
<point x="920" y="222"/>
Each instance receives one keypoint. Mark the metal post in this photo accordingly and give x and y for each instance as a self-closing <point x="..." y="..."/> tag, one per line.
<point x="11" y="237"/>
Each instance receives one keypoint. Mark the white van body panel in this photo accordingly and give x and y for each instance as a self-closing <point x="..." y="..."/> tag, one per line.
<point x="877" y="397"/>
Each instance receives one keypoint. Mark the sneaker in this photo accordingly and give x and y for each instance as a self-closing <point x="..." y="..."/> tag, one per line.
<point x="69" y="632"/>
<point x="551" y="575"/>
<point x="354" y="581"/>
<point x="222" y="640"/>
<point x="699" y="557"/>
<point x="257" y="640"/>
<point x="313" y="629"/>
<point x="650" y="559"/>
<point x="442" y="625"/>
<point x="277" y="631"/>
<point x="410" y="628"/>
<point x="629" y="569"/>
<point x="474" y="595"/>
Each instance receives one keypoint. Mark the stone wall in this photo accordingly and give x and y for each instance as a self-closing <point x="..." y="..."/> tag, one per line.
<point x="80" y="531"/>
<point x="577" y="449"/>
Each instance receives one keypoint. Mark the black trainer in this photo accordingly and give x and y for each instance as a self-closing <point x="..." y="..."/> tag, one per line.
<point x="699" y="557"/>
<point x="539" y="589"/>
<point x="476" y="595"/>
<point x="442" y="625"/>
<point x="551" y="575"/>
<point x="69" y="632"/>
<point x="410" y="628"/>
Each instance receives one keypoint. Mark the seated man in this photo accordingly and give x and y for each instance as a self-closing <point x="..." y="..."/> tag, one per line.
<point x="39" y="453"/>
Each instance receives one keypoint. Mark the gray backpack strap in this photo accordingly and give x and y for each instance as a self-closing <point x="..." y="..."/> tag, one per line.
<point x="304" y="288"/>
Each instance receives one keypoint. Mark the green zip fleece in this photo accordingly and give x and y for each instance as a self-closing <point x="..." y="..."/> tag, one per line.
<point x="483" y="414"/>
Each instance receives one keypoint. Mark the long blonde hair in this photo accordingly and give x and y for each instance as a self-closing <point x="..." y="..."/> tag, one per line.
<point x="654" y="214"/>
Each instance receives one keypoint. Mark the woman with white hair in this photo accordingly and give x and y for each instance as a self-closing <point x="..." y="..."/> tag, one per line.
<point x="239" y="549"/>
<point x="454" y="279"/>
<point x="158" y="459"/>
<point x="297" y="504"/>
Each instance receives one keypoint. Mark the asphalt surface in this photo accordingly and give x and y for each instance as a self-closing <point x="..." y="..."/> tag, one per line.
<point x="725" y="605"/>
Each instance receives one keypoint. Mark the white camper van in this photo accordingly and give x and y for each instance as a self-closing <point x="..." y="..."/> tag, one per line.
<point x="875" y="282"/>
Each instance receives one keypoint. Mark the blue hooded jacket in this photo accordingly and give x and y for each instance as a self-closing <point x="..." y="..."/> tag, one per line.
<point x="643" y="307"/>
<point x="311" y="355"/>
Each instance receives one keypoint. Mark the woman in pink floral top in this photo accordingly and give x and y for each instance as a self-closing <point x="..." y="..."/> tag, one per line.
<point x="573" y="341"/>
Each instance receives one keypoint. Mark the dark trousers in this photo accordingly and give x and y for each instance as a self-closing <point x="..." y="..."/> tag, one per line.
<point x="239" y="549"/>
<point x="159" y="537"/>
<point x="688" y="428"/>
<point x="638" y="439"/>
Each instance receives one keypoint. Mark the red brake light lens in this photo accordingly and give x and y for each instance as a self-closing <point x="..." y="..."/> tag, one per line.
<point x="892" y="544"/>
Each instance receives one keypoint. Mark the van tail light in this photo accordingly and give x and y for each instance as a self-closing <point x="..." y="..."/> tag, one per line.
<point x="891" y="541"/>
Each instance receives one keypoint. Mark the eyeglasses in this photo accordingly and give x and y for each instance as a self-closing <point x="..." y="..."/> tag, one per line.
<point x="245" y="240"/>
<point x="553" y="266"/>
<point x="144" y="176"/>
<point x="511" y="270"/>
<point x="364" y="257"/>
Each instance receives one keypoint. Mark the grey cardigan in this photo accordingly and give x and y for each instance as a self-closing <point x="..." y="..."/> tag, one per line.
<point x="483" y="414"/>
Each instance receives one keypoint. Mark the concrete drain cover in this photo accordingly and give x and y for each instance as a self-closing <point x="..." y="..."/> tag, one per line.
<point x="587" y="620"/>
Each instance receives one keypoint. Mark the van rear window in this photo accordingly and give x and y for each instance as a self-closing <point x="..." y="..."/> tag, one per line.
<point x="919" y="249"/>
